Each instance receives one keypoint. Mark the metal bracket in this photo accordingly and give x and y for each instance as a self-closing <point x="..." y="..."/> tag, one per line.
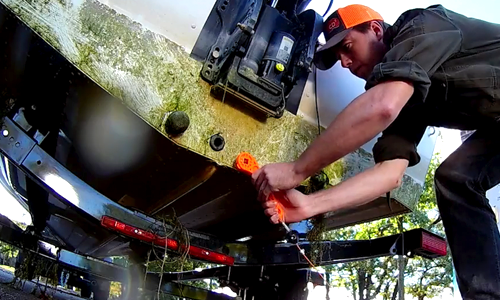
<point x="14" y="143"/>
<point x="20" y="119"/>
<point x="39" y="137"/>
<point x="394" y="247"/>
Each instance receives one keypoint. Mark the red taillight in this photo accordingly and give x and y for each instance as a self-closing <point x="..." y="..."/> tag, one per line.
<point x="171" y="244"/>
<point x="137" y="233"/>
<point x="108" y="222"/>
<point x="433" y="244"/>
<point x="210" y="256"/>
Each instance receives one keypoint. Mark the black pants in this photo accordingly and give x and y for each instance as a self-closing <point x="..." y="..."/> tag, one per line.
<point x="461" y="184"/>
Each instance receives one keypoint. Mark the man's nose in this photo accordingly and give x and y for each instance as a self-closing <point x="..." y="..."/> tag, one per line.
<point x="345" y="61"/>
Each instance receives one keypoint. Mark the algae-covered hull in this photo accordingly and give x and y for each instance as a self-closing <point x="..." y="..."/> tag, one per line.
<point x="131" y="159"/>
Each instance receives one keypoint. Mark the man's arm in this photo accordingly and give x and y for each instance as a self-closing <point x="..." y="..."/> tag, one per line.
<point x="356" y="191"/>
<point x="364" y="118"/>
<point x="360" y="189"/>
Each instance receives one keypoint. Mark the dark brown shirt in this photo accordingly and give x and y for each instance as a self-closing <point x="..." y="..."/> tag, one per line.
<point x="454" y="64"/>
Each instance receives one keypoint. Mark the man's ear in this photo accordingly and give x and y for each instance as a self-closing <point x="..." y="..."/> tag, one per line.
<point x="377" y="29"/>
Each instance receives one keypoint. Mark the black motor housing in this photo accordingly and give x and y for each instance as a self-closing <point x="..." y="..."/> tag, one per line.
<point x="258" y="53"/>
<point x="277" y="57"/>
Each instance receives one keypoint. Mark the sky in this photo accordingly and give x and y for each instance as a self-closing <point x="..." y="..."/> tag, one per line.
<point x="12" y="209"/>
<point x="390" y="10"/>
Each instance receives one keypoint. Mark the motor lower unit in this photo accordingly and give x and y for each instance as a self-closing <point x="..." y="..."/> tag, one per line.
<point x="259" y="51"/>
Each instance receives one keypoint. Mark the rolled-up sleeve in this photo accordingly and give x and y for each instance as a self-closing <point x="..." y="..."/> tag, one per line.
<point x="401" y="138"/>
<point x="417" y="50"/>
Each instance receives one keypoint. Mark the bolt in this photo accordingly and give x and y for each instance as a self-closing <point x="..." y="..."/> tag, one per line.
<point x="33" y="107"/>
<point x="193" y="26"/>
<point x="215" y="54"/>
<point x="18" y="144"/>
<point x="11" y="139"/>
<point x="177" y="122"/>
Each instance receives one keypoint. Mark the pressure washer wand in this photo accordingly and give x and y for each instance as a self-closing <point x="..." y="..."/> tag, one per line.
<point x="286" y="226"/>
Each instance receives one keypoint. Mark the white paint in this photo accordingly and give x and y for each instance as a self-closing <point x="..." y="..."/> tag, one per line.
<point x="179" y="21"/>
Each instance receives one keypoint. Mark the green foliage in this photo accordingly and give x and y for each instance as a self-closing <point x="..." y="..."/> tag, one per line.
<point x="121" y="261"/>
<point x="429" y="277"/>
<point x="368" y="279"/>
<point x="8" y="251"/>
<point x="115" y="290"/>
<point x="21" y="225"/>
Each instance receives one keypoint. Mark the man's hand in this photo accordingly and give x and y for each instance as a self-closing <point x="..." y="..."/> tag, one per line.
<point x="296" y="207"/>
<point x="275" y="178"/>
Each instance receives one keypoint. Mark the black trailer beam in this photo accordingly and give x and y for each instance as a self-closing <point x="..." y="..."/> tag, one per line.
<point x="333" y="252"/>
<point x="181" y="290"/>
<point x="219" y="272"/>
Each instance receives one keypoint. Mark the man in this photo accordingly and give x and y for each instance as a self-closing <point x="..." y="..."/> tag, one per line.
<point x="432" y="67"/>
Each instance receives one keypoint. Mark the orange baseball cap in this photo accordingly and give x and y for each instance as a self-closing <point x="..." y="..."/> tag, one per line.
<point x="337" y="26"/>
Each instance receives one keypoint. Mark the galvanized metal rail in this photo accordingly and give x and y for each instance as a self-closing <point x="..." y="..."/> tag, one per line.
<point x="25" y="153"/>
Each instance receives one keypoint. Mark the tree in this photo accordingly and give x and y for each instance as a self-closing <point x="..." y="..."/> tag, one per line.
<point x="370" y="278"/>
<point x="430" y="277"/>
<point x="8" y="251"/>
<point x="21" y="225"/>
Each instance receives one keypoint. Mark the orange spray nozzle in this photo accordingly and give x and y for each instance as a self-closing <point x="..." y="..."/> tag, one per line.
<point x="247" y="164"/>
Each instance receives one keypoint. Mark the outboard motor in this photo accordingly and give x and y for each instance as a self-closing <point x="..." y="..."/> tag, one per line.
<point x="259" y="51"/>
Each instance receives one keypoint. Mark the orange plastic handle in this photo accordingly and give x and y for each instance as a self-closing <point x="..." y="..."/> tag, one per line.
<point x="246" y="163"/>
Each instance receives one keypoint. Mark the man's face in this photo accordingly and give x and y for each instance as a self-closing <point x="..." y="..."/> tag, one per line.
<point x="361" y="51"/>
